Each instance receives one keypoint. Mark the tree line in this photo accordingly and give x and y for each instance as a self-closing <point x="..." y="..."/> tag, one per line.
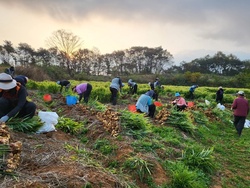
<point x="64" y="51"/>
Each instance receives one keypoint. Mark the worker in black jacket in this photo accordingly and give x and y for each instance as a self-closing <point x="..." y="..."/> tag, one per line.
<point x="13" y="100"/>
<point x="64" y="83"/>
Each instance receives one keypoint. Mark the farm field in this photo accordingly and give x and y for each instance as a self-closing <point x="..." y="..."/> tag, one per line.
<point x="100" y="145"/>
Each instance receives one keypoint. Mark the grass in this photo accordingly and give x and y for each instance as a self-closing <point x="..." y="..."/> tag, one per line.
<point x="197" y="148"/>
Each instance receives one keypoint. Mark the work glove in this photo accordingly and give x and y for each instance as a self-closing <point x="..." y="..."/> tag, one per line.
<point x="4" y="119"/>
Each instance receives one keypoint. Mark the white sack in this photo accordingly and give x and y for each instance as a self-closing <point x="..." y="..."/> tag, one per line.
<point x="49" y="119"/>
<point x="247" y="124"/>
<point x="220" y="106"/>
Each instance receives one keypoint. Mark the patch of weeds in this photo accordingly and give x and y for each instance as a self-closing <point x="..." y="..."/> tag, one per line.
<point x="140" y="166"/>
<point x="182" y="176"/>
<point x="104" y="146"/>
<point x="203" y="160"/>
<point x="147" y="145"/>
<point x="223" y="115"/>
<point x="136" y="134"/>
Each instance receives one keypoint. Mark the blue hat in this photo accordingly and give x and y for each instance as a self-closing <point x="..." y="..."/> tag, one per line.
<point x="150" y="93"/>
<point x="177" y="94"/>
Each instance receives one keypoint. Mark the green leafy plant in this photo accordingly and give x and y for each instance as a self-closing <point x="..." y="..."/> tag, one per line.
<point x="183" y="177"/>
<point x="147" y="145"/>
<point x="202" y="160"/>
<point x="182" y="120"/>
<point x="69" y="126"/>
<point x="104" y="146"/>
<point x="133" y="121"/>
<point x="142" y="167"/>
<point x="27" y="125"/>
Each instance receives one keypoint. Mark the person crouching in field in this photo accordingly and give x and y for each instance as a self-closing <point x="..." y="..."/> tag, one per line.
<point x="83" y="90"/>
<point x="22" y="79"/>
<point x="240" y="109"/>
<point x="179" y="102"/>
<point x="64" y="83"/>
<point x="13" y="102"/>
<point x="133" y="86"/>
<point x="145" y="104"/>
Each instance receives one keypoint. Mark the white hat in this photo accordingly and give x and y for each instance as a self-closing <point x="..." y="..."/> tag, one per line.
<point x="240" y="93"/>
<point x="6" y="81"/>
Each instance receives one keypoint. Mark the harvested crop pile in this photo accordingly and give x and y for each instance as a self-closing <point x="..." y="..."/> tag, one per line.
<point x="9" y="151"/>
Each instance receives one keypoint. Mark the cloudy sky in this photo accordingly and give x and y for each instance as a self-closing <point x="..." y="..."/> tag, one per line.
<point x="187" y="29"/>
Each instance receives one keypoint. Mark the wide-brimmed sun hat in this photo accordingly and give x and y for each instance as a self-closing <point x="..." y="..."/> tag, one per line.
<point x="6" y="81"/>
<point x="240" y="93"/>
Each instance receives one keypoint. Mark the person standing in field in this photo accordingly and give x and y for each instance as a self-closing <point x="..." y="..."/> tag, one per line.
<point x="10" y="71"/>
<point x="83" y="90"/>
<point x="156" y="87"/>
<point x="240" y="109"/>
<point x="133" y="86"/>
<point x="115" y="86"/>
<point x="64" y="83"/>
<point x="191" y="91"/>
<point x="219" y="95"/>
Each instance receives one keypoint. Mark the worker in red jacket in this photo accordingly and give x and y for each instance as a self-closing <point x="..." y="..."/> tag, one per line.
<point x="240" y="109"/>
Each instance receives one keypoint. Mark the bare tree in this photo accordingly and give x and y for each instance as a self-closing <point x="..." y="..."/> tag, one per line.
<point x="67" y="43"/>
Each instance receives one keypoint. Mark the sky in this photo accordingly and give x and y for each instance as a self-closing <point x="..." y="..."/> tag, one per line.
<point x="187" y="29"/>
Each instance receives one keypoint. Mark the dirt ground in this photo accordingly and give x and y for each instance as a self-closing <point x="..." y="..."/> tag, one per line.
<point x="46" y="163"/>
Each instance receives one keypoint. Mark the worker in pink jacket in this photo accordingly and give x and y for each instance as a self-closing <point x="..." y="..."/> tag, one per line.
<point x="83" y="90"/>
<point x="179" y="102"/>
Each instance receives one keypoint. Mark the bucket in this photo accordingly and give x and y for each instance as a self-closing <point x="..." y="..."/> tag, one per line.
<point x="190" y="104"/>
<point x="47" y="98"/>
<point x="71" y="100"/>
<point x="157" y="103"/>
<point x="132" y="108"/>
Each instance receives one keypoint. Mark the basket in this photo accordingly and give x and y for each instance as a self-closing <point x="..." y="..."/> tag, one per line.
<point x="71" y="100"/>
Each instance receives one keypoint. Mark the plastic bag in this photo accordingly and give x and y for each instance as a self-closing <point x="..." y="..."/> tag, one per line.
<point x="49" y="119"/>
<point x="220" y="106"/>
<point x="207" y="102"/>
<point x="247" y="124"/>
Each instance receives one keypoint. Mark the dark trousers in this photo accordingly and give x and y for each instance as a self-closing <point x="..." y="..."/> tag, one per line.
<point x="191" y="95"/>
<point x="219" y="100"/>
<point x="181" y="108"/>
<point x="28" y="109"/>
<point x="151" y="110"/>
<point x="155" y="96"/>
<point x="133" y="89"/>
<point x="114" y="94"/>
<point x="87" y="93"/>
<point x="239" y="122"/>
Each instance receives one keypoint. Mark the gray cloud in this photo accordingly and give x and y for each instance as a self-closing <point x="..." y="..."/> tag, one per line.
<point x="214" y="19"/>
